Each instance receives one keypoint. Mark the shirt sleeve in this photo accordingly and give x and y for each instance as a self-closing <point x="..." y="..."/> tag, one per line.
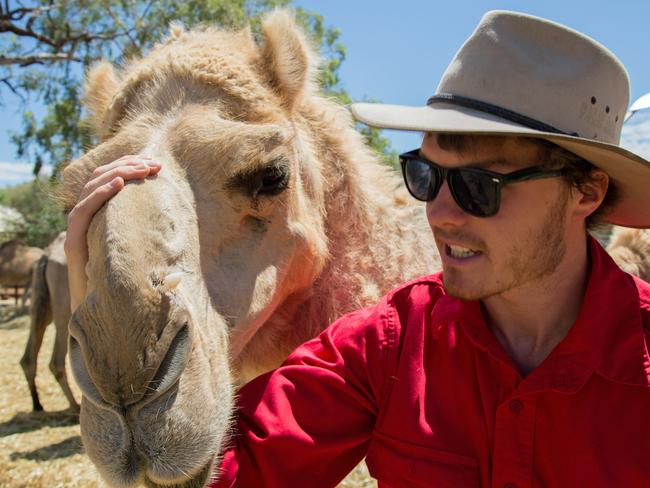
<point x="309" y="422"/>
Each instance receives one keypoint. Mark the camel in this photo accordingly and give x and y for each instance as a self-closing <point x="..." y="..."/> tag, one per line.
<point x="630" y="248"/>
<point x="269" y="219"/>
<point x="17" y="262"/>
<point x="50" y="302"/>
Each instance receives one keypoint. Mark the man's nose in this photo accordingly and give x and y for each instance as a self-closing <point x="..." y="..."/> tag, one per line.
<point x="443" y="210"/>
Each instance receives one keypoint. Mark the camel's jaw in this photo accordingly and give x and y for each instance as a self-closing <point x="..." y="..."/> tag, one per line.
<point x="169" y="440"/>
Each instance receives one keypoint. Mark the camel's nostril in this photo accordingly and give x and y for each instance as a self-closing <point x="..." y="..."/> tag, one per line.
<point x="80" y="373"/>
<point x="173" y="363"/>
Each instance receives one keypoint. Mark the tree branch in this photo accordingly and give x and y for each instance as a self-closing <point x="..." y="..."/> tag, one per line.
<point x="7" y="26"/>
<point x="39" y="58"/>
<point x="120" y="24"/>
<point x="19" y="13"/>
<point x="7" y="83"/>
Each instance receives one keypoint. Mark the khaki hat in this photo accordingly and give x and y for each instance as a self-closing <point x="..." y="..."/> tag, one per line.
<point x="526" y="76"/>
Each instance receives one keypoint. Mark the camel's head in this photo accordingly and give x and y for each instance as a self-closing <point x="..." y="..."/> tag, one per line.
<point x="230" y="231"/>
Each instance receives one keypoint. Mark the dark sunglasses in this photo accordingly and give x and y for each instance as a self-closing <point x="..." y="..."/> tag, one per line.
<point x="477" y="191"/>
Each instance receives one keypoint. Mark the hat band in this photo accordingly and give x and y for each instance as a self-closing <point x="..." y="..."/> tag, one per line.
<point x="504" y="113"/>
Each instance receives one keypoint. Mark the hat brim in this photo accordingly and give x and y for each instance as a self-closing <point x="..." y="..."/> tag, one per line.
<point x="629" y="172"/>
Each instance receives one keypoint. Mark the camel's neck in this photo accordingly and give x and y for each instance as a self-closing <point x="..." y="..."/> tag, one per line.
<point x="371" y="221"/>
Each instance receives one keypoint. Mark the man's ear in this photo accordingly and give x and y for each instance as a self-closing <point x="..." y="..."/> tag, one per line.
<point x="591" y="193"/>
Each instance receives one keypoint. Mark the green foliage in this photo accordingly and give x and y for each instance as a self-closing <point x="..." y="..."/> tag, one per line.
<point x="380" y="144"/>
<point x="79" y="32"/>
<point x="43" y="218"/>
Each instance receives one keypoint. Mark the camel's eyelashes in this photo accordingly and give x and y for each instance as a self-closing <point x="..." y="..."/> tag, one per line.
<point x="268" y="180"/>
<point x="273" y="180"/>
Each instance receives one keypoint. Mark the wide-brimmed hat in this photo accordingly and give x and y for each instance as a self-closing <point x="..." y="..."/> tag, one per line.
<point x="525" y="76"/>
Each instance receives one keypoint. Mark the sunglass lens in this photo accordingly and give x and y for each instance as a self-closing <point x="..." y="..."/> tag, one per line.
<point x="476" y="193"/>
<point x="421" y="179"/>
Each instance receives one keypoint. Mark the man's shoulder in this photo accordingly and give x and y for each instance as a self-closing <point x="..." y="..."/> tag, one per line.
<point x="414" y="301"/>
<point x="426" y="287"/>
<point x="643" y="287"/>
<point x="643" y="290"/>
<point x="412" y="297"/>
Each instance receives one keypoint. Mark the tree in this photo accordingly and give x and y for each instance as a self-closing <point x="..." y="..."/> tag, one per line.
<point x="43" y="219"/>
<point x="46" y="45"/>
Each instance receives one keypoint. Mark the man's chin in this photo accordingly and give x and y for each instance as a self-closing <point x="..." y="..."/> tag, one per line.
<point x="463" y="294"/>
<point x="455" y="287"/>
<point x="463" y="290"/>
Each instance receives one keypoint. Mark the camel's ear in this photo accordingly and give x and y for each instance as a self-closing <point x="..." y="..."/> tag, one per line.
<point x="101" y="85"/>
<point x="288" y="57"/>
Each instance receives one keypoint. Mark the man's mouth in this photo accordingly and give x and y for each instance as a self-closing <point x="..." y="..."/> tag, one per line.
<point x="460" y="252"/>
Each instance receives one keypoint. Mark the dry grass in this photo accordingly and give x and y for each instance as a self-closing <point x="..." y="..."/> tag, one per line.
<point x="37" y="450"/>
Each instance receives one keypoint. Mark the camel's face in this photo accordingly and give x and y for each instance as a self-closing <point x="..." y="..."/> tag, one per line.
<point x="205" y="251"/>
<point x="208" y="248"/>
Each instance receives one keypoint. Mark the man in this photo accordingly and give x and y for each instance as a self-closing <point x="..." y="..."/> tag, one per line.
<point x="525" y="362"/>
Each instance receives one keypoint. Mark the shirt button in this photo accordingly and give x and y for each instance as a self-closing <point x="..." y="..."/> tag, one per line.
<point x="515" y="407"/>
<point x="510" y="485"/>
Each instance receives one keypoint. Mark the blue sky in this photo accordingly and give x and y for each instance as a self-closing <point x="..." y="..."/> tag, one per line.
<point x="397" y="51"/>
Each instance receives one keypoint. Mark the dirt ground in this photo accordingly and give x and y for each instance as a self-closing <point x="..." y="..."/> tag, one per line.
<point x="37" y="450"/>
<point x="44" y="450"/>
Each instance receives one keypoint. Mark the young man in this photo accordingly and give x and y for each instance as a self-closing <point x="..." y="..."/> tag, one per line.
<point x="525" y="362"/>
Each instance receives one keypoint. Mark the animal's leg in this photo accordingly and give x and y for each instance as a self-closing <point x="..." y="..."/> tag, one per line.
<point x="28" y="288"/>
<point x="40" y="315"/>
<point x="29" y="359"/>
<point x="57" y="364"/>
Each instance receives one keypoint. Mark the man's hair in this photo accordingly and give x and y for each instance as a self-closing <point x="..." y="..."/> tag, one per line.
<point x="577" y="172"/>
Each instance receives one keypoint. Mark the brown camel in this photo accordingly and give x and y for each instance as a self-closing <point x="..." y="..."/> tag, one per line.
<point x="17" y="262"/>
<point x="269" y="219"/>
<point x="50" y="303"/>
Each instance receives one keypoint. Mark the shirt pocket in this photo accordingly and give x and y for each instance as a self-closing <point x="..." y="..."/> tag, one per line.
<point x="401" y="464"/>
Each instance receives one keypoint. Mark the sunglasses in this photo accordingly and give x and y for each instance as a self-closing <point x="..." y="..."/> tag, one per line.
<point x="477" y="191"/>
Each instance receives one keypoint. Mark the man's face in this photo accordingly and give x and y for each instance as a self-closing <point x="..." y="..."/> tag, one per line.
<point x="523" y="243"/>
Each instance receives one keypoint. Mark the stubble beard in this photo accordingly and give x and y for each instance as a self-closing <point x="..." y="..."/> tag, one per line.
<point x="531" y="259"/>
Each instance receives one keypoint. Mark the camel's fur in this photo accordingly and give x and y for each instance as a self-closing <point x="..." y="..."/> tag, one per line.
<point x="630" y="248"/>
<point x="262" y="270"/>
<point x="50" y="303"/>
<point x="17" y="262"/>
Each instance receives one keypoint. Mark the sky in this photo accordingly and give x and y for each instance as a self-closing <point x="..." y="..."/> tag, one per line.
<point x="398" y="50"/>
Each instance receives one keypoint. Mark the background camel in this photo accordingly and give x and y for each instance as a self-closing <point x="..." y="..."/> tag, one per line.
<point x="269" y="219"/>
<point x="50" y="302"/>
<point x="16" y="265"/>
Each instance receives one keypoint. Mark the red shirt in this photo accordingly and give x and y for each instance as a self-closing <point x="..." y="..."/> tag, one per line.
<point x="420" y="386"/>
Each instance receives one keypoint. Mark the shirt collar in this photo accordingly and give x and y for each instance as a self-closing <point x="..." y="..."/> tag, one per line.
<point x="607" y="337"/>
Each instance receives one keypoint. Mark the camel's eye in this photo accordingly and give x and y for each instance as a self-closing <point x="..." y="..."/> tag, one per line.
<point x="272" y="180"/>
<point x="268" y="180"/>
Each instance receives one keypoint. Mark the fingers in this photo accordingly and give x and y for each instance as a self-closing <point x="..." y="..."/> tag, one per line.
<point x="127" y="168"/>
<point x="131" y="159"/>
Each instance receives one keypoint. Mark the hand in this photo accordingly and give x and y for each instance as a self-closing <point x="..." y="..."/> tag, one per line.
<point x="107" y="180"/>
